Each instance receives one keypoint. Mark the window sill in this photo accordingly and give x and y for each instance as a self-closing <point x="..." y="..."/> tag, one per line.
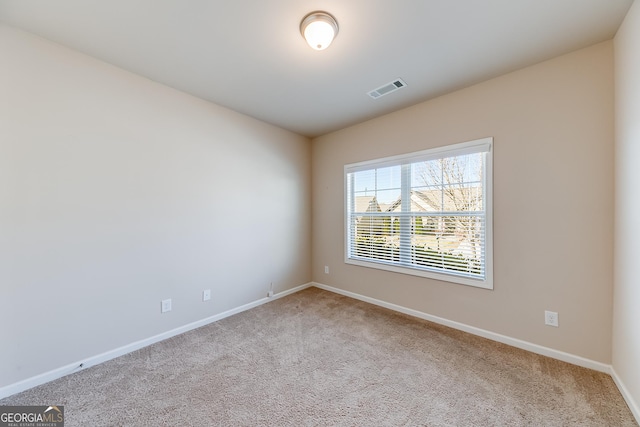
<point x="430" y="274"/>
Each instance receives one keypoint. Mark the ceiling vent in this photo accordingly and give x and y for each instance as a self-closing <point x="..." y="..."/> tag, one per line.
<point x="387" y="88"/>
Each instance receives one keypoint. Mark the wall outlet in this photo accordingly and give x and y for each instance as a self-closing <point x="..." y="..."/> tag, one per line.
<point x="326" y="269"/>
<point x="165" y="305"/>
<point x="206" y="295"/>
<point x="551" y="318"/>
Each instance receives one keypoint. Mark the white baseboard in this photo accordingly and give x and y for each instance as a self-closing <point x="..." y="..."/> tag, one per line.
<point x="112" y="354"/>
<point x="633" y="405"/>
<point x="514" y="342"/>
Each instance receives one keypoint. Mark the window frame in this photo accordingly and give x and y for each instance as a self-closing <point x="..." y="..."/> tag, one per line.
<point x="484" y="145"/>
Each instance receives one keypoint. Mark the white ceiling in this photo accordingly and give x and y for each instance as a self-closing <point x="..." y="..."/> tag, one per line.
<point x="248" y="55"/>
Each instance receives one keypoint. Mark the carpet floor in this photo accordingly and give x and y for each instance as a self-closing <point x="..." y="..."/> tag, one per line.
<point x="316" y="358"/>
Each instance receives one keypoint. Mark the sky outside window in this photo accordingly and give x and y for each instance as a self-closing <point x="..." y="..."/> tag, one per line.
<point x="383" y="183"/>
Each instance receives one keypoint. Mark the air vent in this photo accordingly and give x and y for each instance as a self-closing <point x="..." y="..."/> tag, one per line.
<point x="387" y="88"/>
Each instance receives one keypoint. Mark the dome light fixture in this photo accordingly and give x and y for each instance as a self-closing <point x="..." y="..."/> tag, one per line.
<point x="319" y="29"/>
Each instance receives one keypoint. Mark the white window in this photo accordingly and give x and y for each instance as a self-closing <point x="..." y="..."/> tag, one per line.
<point x="426" y="213"/>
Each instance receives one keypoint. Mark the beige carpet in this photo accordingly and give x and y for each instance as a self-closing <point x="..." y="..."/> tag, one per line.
<point x="320" y="359"/>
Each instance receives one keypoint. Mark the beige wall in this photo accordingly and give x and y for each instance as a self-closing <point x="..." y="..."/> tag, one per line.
<point x="117" y="192"/>
<point x="626" y="319"/>
<point x="552" y="125"/>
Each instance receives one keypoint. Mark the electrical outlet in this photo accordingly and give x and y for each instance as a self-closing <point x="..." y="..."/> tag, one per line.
<point x="326" y="269"/>
<point x="270" y="293"/>
<point x="551" y="318"/>
<point x="165" y="306"/>
<point x="206" y="295"/>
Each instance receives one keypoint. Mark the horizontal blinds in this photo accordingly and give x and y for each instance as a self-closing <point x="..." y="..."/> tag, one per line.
<point x="442" y="242"/>
<point x="422" y="235"/>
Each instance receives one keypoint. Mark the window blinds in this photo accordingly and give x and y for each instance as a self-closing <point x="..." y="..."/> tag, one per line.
<point x="426" y="213"/>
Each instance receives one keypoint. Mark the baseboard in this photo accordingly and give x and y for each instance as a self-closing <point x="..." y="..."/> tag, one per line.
<point x="28" y="383"/>
<point x="514" y="342"/>
<point x="54" y="374"/>
<point x="633" y="405"/>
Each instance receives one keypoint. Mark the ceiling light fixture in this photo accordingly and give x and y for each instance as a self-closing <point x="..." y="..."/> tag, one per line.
<point x="319" y="29"/>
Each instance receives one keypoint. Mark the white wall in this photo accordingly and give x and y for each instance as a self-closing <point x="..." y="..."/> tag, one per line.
<point x="117" y="192"/>
<point x="626" y="320"/>
<point x="552" y="125"/>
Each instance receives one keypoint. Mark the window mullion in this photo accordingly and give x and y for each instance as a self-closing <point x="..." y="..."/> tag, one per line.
<point x="405" y="214"/>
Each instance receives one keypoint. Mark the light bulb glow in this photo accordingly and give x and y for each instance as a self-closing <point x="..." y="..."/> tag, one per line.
<point x="319" y="29"/>
<point x="319" y="35"/>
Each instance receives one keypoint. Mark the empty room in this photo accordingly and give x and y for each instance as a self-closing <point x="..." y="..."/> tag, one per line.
<point x="336" y="213"/>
